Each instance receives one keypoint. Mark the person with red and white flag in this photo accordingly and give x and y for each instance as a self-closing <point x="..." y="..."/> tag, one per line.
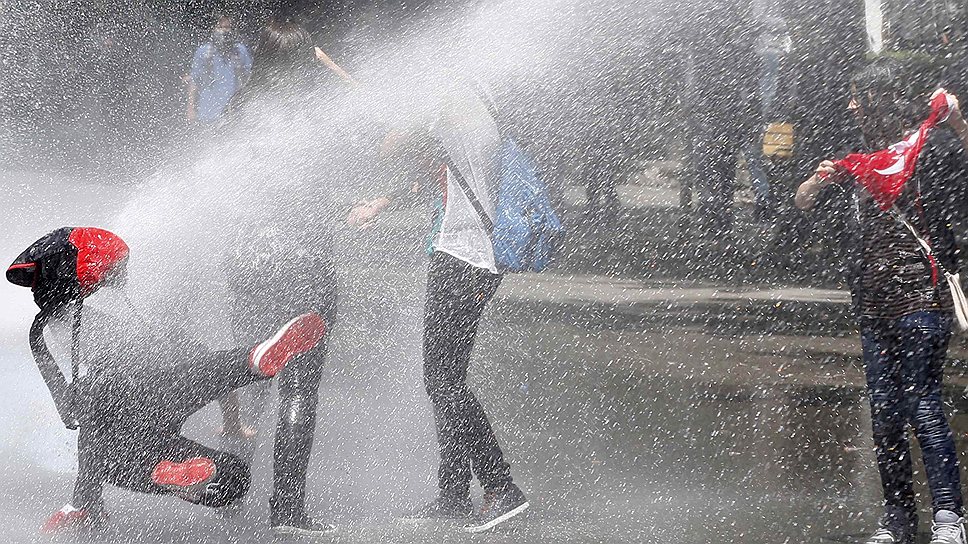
<point x="900" y="201"/>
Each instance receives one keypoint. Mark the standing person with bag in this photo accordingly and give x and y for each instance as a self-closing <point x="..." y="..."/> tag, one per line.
<point x="903" y="303"/>
<point x="462" y="278"/>
<point x="220" y="68"/>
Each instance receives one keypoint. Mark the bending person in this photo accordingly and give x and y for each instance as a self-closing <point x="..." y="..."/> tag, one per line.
<point x="461" y="281"/>
<point x="132" y="386"/>
<point x="135" y="399"/>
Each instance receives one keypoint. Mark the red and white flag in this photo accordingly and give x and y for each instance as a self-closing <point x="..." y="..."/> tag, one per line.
<point x="884" y="173"/>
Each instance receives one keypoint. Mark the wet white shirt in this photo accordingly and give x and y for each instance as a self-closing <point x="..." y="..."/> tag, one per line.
<point x="471" y="138"/>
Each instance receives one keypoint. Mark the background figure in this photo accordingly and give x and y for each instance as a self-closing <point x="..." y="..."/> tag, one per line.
<point x="285" y="262"/>
<point x="600" y="169"/>
<point x="219" y="70"/>
<point x="719" y="108"/>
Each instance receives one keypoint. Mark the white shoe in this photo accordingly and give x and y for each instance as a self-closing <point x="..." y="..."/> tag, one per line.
<point x="948" y="528"/>
<point x="882" y="536"/>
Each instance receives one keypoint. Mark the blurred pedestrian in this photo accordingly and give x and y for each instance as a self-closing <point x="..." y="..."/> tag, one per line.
<point x="220" y="68"/>
<point x="720" y="109"/>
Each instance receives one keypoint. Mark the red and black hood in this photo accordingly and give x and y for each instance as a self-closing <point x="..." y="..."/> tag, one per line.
<point x="69" y="264"/>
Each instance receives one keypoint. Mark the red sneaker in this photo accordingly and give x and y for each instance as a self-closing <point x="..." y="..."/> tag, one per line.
<point x="296" y="337"/>
<point x="190" y="473"/>
<point x="69" y="518"/>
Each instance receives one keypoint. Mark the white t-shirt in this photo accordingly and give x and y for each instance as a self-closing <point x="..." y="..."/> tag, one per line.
<point x="470" y="136"/>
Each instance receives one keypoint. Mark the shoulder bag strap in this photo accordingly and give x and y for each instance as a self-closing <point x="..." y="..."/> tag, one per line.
<point x="61" y="391"/>
<point x="475" y="203"/>
<point x="76" y="342"/>
<point x="922" y="242"/>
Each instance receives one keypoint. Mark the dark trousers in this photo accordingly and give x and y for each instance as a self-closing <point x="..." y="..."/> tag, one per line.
<point x="713" y="163"/>
<point x="457" y="294"/>
<point x="131" y="421"/>
<point x="298" y="398"/>
<point x="904" y="359"/>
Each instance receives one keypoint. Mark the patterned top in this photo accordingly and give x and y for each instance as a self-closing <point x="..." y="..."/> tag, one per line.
<point x="896" y="278"/>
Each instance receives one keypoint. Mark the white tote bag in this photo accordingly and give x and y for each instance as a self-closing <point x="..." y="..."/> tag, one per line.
<point x="961" y="303"/>
<point x="954" y="280"/>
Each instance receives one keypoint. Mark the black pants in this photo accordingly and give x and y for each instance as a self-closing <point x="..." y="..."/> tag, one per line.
<point x="457" y="294"/>
<point x="298" y="398"/>
<point x="131" y="421"/>
<point x="904" y="362"/>
<point x="713" y="163"/>
<point x="262" y="303"/>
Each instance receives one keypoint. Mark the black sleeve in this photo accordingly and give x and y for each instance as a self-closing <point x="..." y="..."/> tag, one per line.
<point x="61" y="391"/>
<point x="943" y="174"/>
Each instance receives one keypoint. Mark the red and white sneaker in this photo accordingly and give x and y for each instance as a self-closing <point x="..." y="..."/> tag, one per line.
<point x="69" y="519"/>
<point x="294" y="338"/>
<point x="186" y="479"/>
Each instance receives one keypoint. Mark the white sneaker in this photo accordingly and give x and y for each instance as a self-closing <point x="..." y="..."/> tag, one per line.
<point x="948" y="528"/>
<point x="882" y="536"/>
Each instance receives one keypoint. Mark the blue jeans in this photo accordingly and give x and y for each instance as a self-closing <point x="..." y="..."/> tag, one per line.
<point x="904" y="359"/>
<point x="759" y="179"/>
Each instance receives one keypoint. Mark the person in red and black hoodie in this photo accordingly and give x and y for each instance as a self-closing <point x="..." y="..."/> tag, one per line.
<point x="133" y="386"/>
<point x="904" y="310"/>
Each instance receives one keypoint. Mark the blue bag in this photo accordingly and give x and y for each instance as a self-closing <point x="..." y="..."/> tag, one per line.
<point x="526" y="231"/>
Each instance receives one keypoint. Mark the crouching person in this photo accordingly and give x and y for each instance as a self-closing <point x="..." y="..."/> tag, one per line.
<point x="132" y="388"/>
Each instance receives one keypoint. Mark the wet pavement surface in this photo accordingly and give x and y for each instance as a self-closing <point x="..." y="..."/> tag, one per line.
<point x="627" y="416"/>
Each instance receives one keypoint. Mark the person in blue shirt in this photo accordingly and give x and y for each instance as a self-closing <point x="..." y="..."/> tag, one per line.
<point x="220" y="68"/>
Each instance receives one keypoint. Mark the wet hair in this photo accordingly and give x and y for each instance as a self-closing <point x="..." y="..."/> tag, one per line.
<point x="884" y="96"/>
<point x="284" y="56"/>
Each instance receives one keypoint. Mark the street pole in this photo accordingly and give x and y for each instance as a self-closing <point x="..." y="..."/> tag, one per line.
<point x="875" y="25"/>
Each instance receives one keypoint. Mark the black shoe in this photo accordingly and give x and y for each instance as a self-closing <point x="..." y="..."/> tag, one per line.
<point x="897" y="529"/>
<point x="443" y="507"/>
<point x="499" y="506"/>
<point x="300" y="525"/>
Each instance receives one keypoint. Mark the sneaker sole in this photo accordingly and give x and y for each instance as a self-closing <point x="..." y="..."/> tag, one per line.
<point x="439" y="520"/>
<point x="298" y="336"/>
<point x="498" y="520"/>
<point x="288" y="530"/>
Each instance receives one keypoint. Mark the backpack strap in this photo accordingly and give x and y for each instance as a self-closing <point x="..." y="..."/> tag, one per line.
<point x="76" y="342"/>
<point x="61" y="391"/>
<point x="475" y="203"/>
